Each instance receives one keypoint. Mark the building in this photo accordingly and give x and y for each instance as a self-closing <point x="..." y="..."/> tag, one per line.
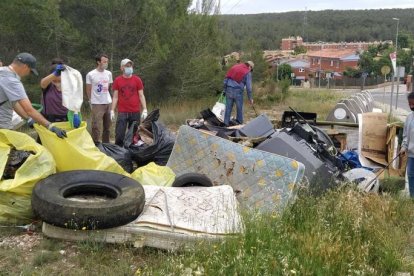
<point x="332" y="61"/>
<point x="290" y="43"/>
<point x="300" y="67"/>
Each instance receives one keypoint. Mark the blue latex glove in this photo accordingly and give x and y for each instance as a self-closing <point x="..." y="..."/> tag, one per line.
<point x="58" y="70"/>
<point x="30" y="122"/>
<point x="59" y="132"/>
<point x="76" y="120"/>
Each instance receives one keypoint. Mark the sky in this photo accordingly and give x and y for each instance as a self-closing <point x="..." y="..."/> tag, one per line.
<point x="276" y="6"/>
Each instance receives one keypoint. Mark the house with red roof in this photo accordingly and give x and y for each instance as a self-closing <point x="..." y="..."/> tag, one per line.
<point x="332" y="61"/>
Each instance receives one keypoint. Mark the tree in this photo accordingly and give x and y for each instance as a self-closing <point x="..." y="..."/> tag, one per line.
<point x="299" y="50"/>
<point x="284" y="71"/>
<point x="352" y="72"/>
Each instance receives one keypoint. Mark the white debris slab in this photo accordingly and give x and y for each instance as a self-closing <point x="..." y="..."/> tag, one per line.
<point x="173" y="218"/>
<point x="211" y="210"/>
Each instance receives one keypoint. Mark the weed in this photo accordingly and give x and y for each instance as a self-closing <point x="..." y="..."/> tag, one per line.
<point x="340" y="233"/>
<point x="392" y="184"/>
<point x="44" y="257"/>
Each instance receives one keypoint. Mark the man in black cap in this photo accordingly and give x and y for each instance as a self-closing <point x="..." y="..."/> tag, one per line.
<point x="14" y="97"/>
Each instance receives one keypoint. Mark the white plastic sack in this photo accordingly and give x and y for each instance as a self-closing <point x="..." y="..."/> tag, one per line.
<point x="72" y="89"/>
<point x="219" y="109"/>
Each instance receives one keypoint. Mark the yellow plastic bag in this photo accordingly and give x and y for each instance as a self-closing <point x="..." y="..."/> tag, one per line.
<point x="152" y="174"/>
<point x="77" y="151"/>
<point x="15" y="194"/>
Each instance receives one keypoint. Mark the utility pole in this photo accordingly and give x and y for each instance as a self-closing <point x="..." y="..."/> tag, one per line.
<point x="305" y="25"/>
<point x="319" y="74"/>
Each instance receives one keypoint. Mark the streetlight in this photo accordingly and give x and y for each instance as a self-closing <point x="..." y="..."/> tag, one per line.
<point x="394" y="73"/>
<point x="398" y="71"/>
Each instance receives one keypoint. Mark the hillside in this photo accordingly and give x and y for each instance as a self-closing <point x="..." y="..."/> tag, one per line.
<point x="267" y="30"/>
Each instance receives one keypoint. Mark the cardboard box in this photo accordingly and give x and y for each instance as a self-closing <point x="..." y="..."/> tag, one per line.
<point x="394" y="139"/>
<point x="374" y="137"/>
<point x="381" y="142"/>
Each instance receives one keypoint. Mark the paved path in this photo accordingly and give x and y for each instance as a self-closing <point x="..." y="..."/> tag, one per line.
<point x="382" y="97"/>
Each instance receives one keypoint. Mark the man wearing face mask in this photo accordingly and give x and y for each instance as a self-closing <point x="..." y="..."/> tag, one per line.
<point x="130" y="100"/>
<point x="53" y="109"/>
<point x="98" y="86"/>
<point x="13" y="95"/>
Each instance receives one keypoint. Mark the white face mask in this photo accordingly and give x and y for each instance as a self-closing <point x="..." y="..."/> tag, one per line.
<point x="128" y="71"/>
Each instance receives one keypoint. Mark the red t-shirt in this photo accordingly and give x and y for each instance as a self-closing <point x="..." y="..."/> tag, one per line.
<point x="128" y="98"/>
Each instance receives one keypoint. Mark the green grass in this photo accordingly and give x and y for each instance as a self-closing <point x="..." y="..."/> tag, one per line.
<point x="341" y="233"/>
<point x="320" y="101"/>
<point x="175" y="113"/>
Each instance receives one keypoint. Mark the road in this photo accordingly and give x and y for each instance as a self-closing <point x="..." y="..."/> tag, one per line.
<point x="383" y="96"/>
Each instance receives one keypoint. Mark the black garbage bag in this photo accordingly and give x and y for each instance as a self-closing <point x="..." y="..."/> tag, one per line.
<point x="121" y="155"/>
<point x="14" y="162"/>
<point x="160" y="149"/>
<point x="152" y="117"/>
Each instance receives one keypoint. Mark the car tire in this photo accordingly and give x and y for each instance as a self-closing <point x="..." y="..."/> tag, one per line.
<point x="88" y="199"/>
<point x="192" y="179"/>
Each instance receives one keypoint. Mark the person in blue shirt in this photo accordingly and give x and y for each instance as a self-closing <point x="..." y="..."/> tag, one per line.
<point x="237" y="78"/>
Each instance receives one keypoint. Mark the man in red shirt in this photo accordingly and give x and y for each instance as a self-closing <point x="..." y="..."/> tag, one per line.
<point x="129" y="98"/>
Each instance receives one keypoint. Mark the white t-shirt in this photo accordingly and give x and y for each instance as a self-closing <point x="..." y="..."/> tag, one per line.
<point x="100" y="82"/>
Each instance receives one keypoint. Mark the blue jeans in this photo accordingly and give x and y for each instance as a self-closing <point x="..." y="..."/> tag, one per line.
<point x="123" y="122"/>
<point x="410" y="174"/>
<point x="233" y="96"/>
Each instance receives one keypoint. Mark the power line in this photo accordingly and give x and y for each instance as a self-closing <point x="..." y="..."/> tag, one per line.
<point x="238" y="2"/>
<point x="305" y="25"/>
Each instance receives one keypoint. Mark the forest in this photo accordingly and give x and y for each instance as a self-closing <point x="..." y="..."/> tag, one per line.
<point x="177" y="50"/>
<point x="267" y="30"/>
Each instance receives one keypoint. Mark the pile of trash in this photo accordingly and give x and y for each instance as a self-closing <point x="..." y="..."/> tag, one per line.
<point x="298" y="137"/>
<point x="147" y="142"/>
<point x="259" y="165"/>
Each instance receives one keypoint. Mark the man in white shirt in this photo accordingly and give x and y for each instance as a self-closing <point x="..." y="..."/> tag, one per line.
<point x="98" y="86"/>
